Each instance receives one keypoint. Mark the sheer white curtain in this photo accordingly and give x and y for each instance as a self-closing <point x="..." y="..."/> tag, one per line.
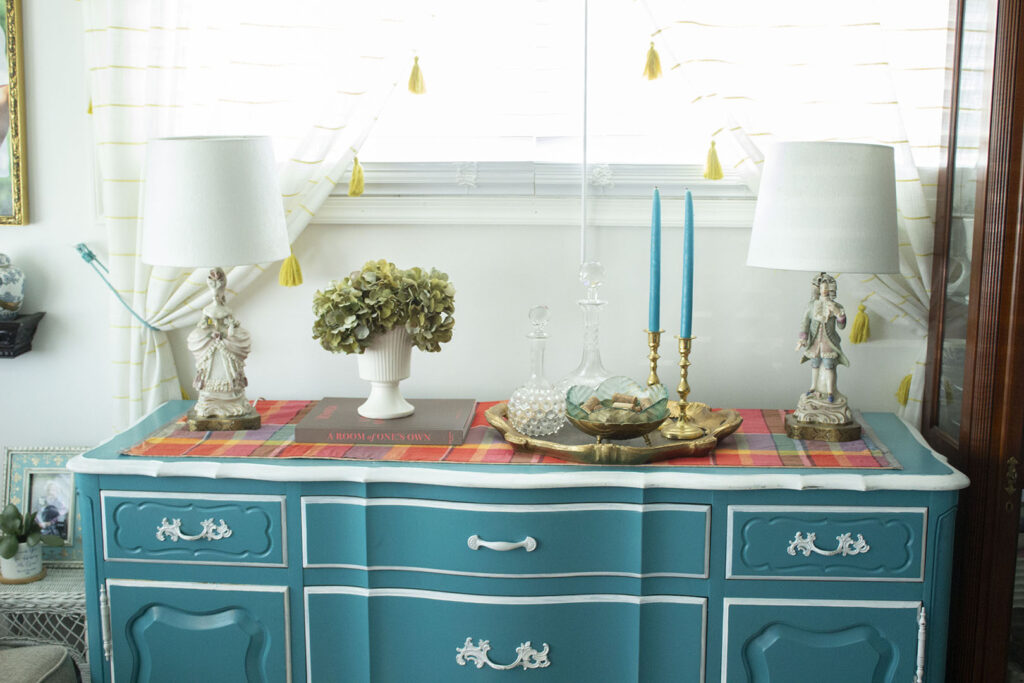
<point x="313" y="75"/>
<point x="807" y="70"/>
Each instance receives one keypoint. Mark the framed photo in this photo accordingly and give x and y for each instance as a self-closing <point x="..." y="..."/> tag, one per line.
<point x="13" y="192"/>
<point x="36" y="480"/>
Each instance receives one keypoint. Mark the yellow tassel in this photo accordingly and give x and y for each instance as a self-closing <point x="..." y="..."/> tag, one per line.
<point x="652" y="69"/>
<point x="184" y="394"/>
<point x="90" y="107"/>
<point x="416" y="84"/>
<point x="713" y="168"/>
<point x="357" y="183"/>
<point x="903" y="393"/>
<point x="290" y="274"/>
<point x="861" y="331"/>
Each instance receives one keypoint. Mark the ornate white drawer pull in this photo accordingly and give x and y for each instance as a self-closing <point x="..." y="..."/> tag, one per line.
<point x="477" y="655"/>
<point x="475" y="543"/>
<point x="171" y="531"/>
<point x="847" y="546"/>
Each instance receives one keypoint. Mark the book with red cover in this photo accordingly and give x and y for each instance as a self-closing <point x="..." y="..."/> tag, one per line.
<point x="436" y="421"/>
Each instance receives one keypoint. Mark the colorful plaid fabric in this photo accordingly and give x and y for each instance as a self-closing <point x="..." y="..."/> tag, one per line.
<point x="761" y="441"/>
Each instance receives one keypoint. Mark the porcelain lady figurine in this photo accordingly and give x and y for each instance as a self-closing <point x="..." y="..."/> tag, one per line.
<point x="12" y="289"/>
<point x="220" y="346"/>
<point x="819" y="344"/>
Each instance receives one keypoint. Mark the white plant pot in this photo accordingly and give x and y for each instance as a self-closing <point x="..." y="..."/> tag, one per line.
<point x="27" y="563"/>
<point x="384" y="364"/>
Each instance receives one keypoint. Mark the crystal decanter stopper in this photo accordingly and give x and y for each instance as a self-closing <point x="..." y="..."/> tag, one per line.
<point x="591" y="371"/>
<point x="537" y="408"/>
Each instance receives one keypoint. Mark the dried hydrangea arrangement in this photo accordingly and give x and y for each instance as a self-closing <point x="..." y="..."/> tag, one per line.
<point x="380" y="297"/>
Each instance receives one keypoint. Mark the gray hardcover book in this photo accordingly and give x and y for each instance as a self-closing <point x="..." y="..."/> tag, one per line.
<point x="437" y="421"/>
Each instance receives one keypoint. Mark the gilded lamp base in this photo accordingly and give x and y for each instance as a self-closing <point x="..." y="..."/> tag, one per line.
<point x="821" y="431"/>
<point x="235" y="423"/>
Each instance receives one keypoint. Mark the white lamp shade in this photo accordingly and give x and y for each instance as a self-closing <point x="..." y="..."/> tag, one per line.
<point x="212" y="201"/>
<point x="827" y="206"/>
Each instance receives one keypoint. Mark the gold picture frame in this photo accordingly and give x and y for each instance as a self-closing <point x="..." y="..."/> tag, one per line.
<point x="13" y="187"/>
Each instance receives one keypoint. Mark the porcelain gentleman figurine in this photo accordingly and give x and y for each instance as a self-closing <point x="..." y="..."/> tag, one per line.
<point x="220" y="346"/>
<point x="823" y="409"/>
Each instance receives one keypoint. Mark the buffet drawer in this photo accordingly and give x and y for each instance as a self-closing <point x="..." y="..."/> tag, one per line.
<point x="200" y="528"/>
<point x="506" y="540"/>
<point x="826" y="543"/>
<point x="415" y="635"/>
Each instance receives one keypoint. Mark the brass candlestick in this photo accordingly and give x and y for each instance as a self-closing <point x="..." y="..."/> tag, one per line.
<point x="653" y="342"/>
<point x="683" y="428"/>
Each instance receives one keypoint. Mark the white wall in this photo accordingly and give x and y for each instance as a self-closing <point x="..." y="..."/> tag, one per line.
<point x="57" y="394"/>
<point x="745" y="318"/>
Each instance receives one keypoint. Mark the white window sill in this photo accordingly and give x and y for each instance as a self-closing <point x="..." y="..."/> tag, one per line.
<point x="509" y="194"/>
<point x="511" y="211"/>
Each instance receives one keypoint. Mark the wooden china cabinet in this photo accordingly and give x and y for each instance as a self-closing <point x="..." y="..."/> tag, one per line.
<point x="974" y="396"/>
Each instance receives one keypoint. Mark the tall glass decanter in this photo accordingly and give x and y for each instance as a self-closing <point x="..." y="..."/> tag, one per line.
<point x="537" y="408"/>
<point x="591" y="371"/>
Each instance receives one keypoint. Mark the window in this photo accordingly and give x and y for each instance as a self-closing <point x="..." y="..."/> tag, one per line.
<point x="503" y="111"/>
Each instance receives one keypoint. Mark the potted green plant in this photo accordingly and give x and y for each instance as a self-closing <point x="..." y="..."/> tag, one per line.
<point x="380" y="313"/>
<point x="21" y="545"/>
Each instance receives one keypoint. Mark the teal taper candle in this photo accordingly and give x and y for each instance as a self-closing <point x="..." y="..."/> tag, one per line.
<point x="654" y="308"/>
<point x="686" y="313"/>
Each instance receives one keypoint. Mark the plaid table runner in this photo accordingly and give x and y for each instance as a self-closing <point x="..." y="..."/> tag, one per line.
<point x="761" y="441"/>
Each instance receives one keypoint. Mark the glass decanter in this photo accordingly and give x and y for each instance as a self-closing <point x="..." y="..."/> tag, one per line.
<point x="537" y="408"/>
<point x="591" y="371"/>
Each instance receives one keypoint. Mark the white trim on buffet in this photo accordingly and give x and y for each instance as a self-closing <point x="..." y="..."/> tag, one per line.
<point x="487" y="575"/>
<point x="507" y="508"/>
<point x="198" y="497"/>
<point x="504" y="599"/>
<point x="863" y="511"/>
<point x="507" y="600"/>
<point x="504" y="507"/>
<point x="579" y="477"/>
<point x="191" y="585"/>
<point x="799" y="602"/>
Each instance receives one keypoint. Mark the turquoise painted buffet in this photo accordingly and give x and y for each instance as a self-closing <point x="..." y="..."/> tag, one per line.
<point x="205" y="569"/>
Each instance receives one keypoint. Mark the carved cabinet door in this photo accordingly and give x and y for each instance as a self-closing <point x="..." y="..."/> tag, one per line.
<point x="839" y="641"/>
<point x="179" y="631"/>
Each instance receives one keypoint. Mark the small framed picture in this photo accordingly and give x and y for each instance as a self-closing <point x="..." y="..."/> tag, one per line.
<point x="37" y="481"/>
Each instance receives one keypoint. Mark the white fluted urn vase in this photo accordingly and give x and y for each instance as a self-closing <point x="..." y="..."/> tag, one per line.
<point x="385" y="363"/>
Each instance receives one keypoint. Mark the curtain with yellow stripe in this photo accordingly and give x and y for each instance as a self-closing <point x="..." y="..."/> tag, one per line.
<point x="304" y="72"/>
<point x="806" y="70"/>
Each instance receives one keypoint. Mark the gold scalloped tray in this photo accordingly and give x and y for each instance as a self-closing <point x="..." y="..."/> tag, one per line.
<point x="569" y="443"/>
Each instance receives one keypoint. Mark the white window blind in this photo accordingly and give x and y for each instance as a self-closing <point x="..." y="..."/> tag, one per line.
<point x="505" y="83"/>
<point x="505" y="87"/>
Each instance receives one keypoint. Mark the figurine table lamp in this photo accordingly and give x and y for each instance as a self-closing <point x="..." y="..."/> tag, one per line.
<point x="825" y="206"/>
<point x="214" y="202"/>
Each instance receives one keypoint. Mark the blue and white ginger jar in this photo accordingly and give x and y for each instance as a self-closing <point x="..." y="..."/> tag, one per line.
<point x="12" y="288"/>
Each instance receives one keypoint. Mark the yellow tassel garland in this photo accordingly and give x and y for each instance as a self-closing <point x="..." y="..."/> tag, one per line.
<point x="903" y="393"/>
<point x="357" y="183"/>
<point x="713" y="168"/>
<point x="861" y="331"/>
<point x="416" y="84"/>
<point x="184" y="394"/>
<point x="290" y="274"/>
<point x="90" y="106"/>
<point x="652" y="69"/>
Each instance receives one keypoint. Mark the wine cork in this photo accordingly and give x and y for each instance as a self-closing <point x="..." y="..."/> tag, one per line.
<point x="591" y="404"/>
<point x="623" y="398"/>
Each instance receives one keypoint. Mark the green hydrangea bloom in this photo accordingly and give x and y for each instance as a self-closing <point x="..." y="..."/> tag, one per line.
<point x="350" y="313"/>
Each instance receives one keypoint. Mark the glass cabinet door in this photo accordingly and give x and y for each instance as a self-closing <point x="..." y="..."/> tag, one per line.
<point x="972" y="121"/>
<point x="967" y="168"/>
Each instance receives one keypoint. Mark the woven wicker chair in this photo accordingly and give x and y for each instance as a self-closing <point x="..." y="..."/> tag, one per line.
<point x="38" y="664"/>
